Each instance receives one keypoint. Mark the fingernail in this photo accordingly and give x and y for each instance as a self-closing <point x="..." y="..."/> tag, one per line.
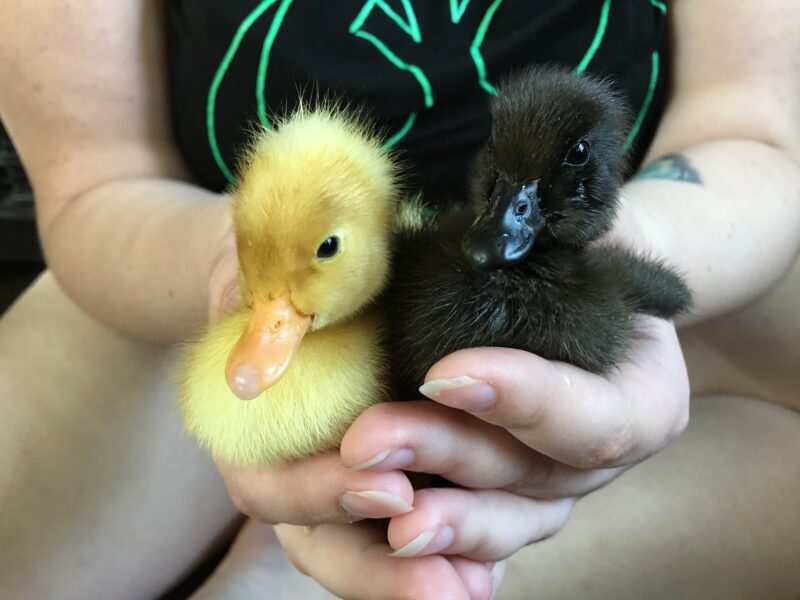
<point x="388" y="460"/>
<point x="430" y="542"/>
<point x="231" y="297"/>
<point x="463" y="392"/>
<point x="373" y="505"/>
<point x="497" y="572"/>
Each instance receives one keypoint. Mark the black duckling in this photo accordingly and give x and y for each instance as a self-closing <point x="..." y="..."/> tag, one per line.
<point x="515" y="268"/>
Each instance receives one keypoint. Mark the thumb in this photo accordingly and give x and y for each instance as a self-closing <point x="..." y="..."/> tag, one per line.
<point x="223" y="284"/>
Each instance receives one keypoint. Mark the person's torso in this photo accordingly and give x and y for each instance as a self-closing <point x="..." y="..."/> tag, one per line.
<point x="425" y="70"/>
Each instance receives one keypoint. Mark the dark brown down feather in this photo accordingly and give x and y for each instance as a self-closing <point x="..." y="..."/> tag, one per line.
<point x="568" y="299"/>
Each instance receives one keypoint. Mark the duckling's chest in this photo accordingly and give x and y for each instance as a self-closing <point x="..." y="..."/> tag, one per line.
<point x="554" y="306"/>
<point x="513" y="306"/>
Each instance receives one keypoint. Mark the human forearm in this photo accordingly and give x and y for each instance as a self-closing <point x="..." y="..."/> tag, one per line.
<point x="89" y="113"/>
<point x="137" y="253"/>
<point x="734" y="234"/>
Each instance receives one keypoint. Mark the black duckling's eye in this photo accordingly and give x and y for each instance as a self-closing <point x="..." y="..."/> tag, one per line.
<point x="329" y="248"/>
<point x="578" y="155"/>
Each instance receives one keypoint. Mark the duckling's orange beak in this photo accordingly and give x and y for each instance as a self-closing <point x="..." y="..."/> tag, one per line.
<point x="266" y="347"/>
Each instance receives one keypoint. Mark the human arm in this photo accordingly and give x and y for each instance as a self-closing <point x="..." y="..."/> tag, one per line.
<point x="555" y="432"/>
<point x="734" y="116"/>
<point x="132" y="240"/>
<point x="83" y="94"/>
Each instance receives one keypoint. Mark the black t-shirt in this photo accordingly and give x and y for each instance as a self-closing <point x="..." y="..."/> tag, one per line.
<point x="424" y="69"/>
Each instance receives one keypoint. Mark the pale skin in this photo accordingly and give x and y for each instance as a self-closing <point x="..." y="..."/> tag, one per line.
<point x="94" y="136"/>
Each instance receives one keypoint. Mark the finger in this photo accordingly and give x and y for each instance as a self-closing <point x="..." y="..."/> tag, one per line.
<point x="255" y="566"/>
<point x="484" y="525"/>
<point x="352" y="561"/>
<point x="319" y="489"/>
<point x="429" y="438"/>
<point x="473" y="574"/>
<point x="569" y="414"/>
<point x="223" y="283"/>
<point x="498" y="572"/>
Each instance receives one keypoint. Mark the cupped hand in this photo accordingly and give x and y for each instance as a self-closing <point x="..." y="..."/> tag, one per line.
<point x="318" y="501"/>
<point x="223" y="278"/>
<point x="352" y="559"/>
<point x="521" y="437"/>
<point x="316" y="490"/>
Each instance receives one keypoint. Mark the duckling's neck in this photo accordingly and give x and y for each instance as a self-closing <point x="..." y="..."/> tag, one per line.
<point x="553" y="264"/>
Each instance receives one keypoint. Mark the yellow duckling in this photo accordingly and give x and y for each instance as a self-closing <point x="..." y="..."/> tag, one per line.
<point x="284" y="376"/>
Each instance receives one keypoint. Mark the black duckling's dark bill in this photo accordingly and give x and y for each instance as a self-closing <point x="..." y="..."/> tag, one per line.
<point x="505" y="233"/>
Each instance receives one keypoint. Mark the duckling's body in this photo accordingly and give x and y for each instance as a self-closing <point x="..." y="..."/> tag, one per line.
<point x="516" y="268"/>
<point x="284" y="376"/>
<point x="336" y="374"/>
<point x="566" y="304"/>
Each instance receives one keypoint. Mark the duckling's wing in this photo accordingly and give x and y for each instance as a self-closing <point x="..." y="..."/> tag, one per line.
<point x="650" y="286"/>
<point x="413" y="216"/>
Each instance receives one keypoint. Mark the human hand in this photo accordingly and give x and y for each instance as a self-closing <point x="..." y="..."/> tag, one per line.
<point x="351" y="559"/>
<point x="523" y="437"/>
<point x="223" y="280"/>
<point x="311" y="491"/>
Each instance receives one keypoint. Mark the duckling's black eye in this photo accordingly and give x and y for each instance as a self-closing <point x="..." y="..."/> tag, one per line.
<point x="328" y="248"/>
<point x="578" y="155"/>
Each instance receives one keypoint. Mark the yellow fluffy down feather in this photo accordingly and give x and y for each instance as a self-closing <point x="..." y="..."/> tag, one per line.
<point x="320" y="175"/>
<point x="337" y="373"/>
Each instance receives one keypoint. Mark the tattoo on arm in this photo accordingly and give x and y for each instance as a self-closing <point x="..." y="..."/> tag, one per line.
<point x="674" y="167"/>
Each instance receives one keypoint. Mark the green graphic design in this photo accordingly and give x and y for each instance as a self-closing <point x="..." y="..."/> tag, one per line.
<point x="407" y="23"/>
<point x="263" y="63"/>
<point x="457" y="10"/>
<point x="211" y="102"/>
<point x="402" y="131"/>
<point x="648" y="100"/>
<point x="411" y="27"/>
<point x="597" y="40"/>
<point x="475" y="48"/>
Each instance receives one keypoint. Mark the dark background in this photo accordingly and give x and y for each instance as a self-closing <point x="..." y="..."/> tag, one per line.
<point x="20" y="255"/>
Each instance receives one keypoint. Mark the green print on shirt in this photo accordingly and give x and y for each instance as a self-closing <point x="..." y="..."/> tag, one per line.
<point x="410" y="26"/>
<point x="211" y="102"/>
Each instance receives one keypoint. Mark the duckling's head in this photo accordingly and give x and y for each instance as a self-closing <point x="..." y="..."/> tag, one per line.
<point x="551" y="170"/>
<point x="312" y="220"/>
